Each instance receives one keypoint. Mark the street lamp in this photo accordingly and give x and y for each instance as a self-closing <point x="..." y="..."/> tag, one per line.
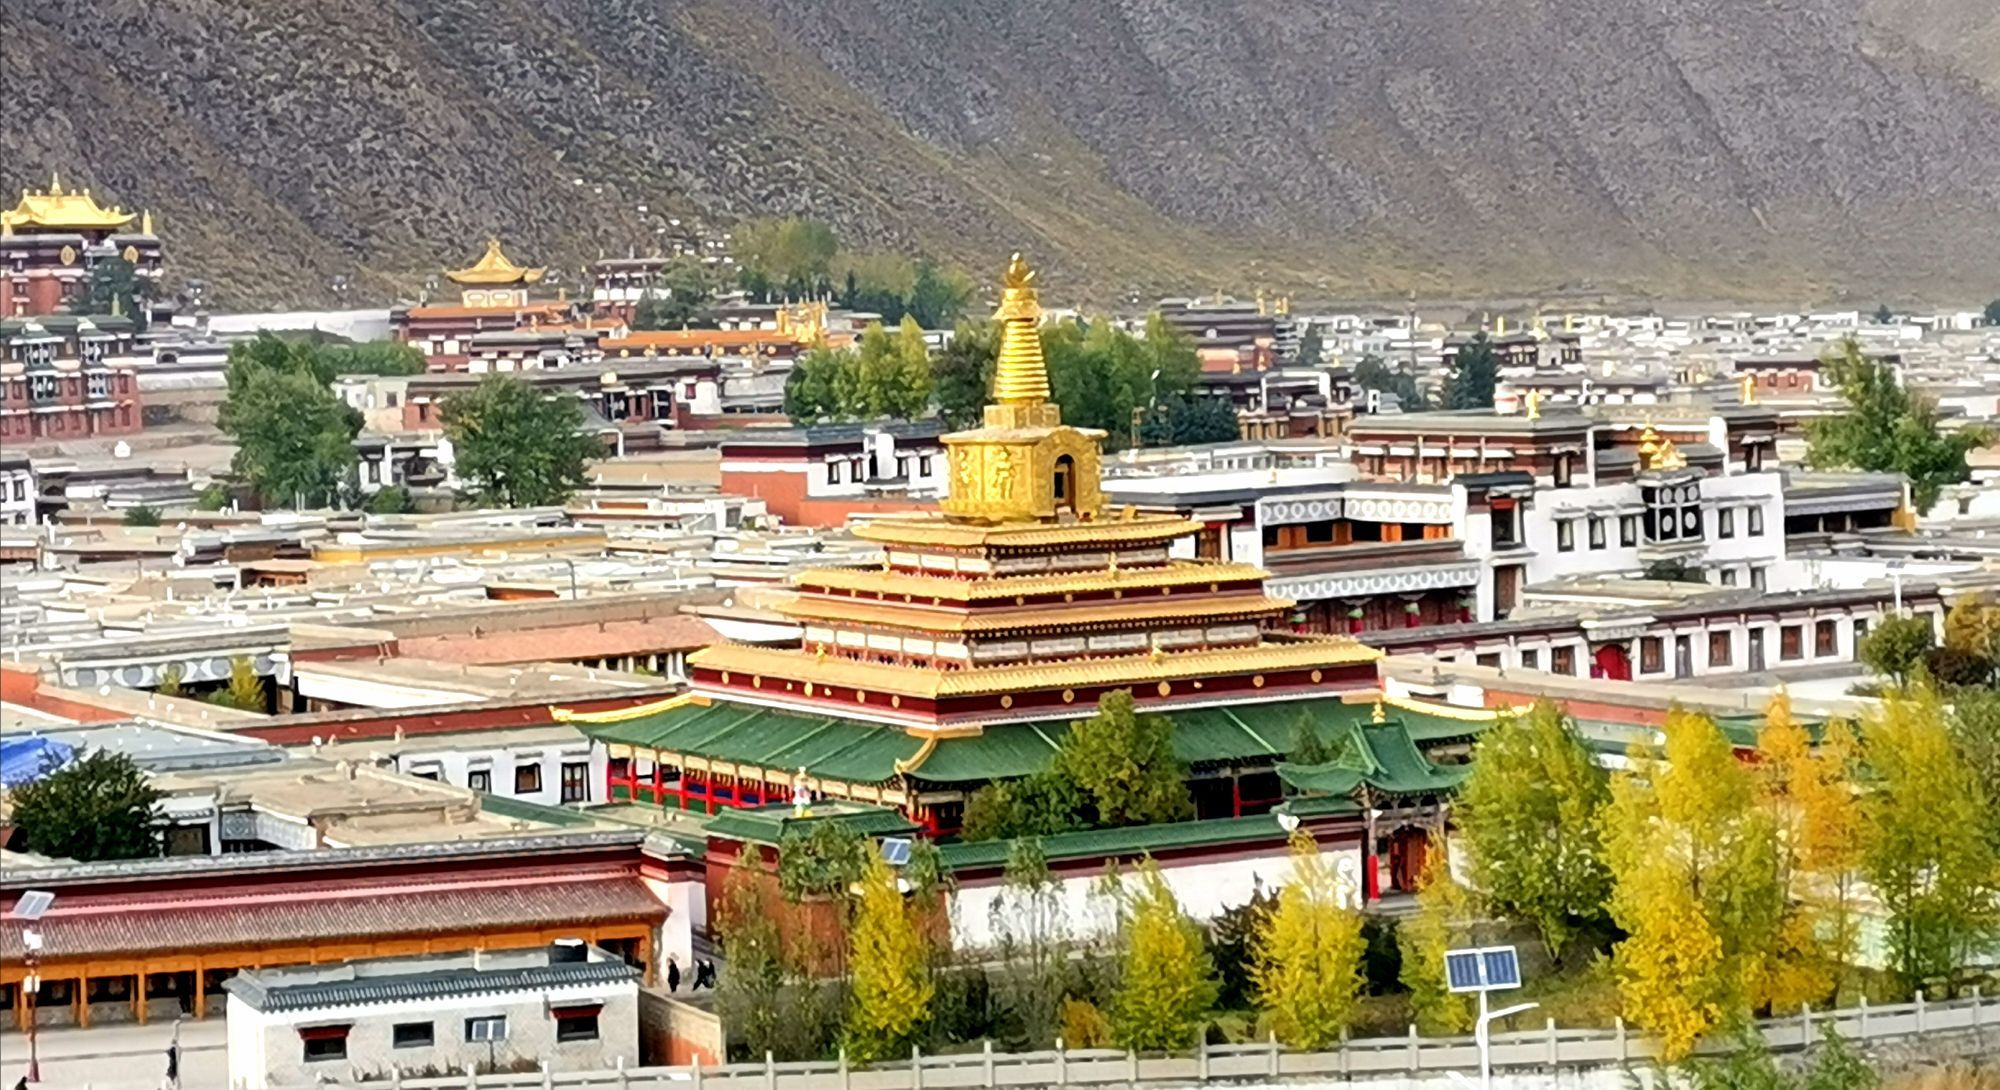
<point x="30" y="908"/>
<point x="1481" y="970"/>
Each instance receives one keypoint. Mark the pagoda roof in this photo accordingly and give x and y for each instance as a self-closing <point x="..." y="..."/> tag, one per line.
<point x="942" y="530"/>
<point x="1116" y="670"/>
<point x="1383" y="756"/>
<point x="859" y="751"/>
<point x="54" y="209"/>
<point x="951" y="589"/>
<point x="494" y="268"/>
<point x="770" y="824"/>
<point x="946" y="619"/>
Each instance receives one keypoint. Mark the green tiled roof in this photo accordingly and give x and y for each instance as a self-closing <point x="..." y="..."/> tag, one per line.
<point x="1381" y="755"/>
<point x="768" y="824"/>
<point x="521" y="810"/>
<point x="842" y="749"/>
<point x="1134" y="840"/>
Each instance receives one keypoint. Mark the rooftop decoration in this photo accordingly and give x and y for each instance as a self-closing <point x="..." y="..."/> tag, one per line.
<point x="1657" y="452"/>
<point x="494" y="268"/>
<point x="55" y="209"/>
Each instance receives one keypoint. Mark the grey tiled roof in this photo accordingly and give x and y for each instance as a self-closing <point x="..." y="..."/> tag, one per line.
<point x="267" y="992"/>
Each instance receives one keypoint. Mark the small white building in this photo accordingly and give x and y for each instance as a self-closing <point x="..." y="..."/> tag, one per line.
<point x="573" y="1006"/>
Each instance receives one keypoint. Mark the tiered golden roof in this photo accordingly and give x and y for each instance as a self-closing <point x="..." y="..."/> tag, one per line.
<point x="1657" y="452"/>
<point x="494" y="268"/>
<point x="57" y="210"/>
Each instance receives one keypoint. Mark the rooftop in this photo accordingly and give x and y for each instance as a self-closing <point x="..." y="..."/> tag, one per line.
<point x="427" y="977"/>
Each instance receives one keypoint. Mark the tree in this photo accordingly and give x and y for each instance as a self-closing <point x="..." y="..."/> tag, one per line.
<point x="245" y="691"/>
<point x="215" y="497"/>
<point x="1929" y="855"/>
<point x="1123" y="763"/>
<point x="1812" y="799"/>
<point x="749" y="996"/>
<point x="1311" y="351"/>
<point x="891" y="376"/>
<point x="1042" y="804"/>
<point x="518" y="448"/>
<point x="1993" y="312"/>
<point x="1888" y="429"/>
<point x="1099" y="374"/>
<point x="1308" y="957"/>
<point x="170" y="681"/>
<point x="1974" y="722"/>
<point x="823" y="860"/>
<point x="1307" y="746"/>
<point x="1184" y="421"/>
<point x="324" y="361"/>
<point x="115" y="287"/>
<point x="1896" y="646"/>
<point x="1475" y="372"/>
<point x="1232" y="946"/>
<point x="391" y="500"/>
<point x="1695" y="883"/>
<point x="892" y="987"/>
<point x="962" y="373"/>
<point x="1166" y="987"/>
<point x="1034" y="941"/>
<point x="791" y="255"/>
<point x="677" y="295"/>
<point x="1372" y="374"/>
<point x="1530" y="818"/>
<point x="814" y="387"/>
<point x="1883" y="315"/>
<point x="142" y="515"/>
<point x="909" y="396"/>
<point x="937" y="297"/>
<point x="97" y="808"/>
<point x="294" y="439"/>
<point x="1972" y="629"/>
<point x="1444" y="908"/>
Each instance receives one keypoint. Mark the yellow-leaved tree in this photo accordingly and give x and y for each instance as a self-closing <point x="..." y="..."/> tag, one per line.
<point x="1444" y="910"/>
<point x="890" y="969"/>
<point x="1810" y="794"/>
<point x="1694" y="883"/>
<point x="1306" y="959"/>
<point x="1168" y="984"/>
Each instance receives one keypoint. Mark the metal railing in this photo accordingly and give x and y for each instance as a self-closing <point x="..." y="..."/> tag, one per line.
<point x="1543" y="1049"/>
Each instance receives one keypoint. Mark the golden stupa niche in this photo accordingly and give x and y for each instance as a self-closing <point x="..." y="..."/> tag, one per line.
<point x="1023" y="463"/>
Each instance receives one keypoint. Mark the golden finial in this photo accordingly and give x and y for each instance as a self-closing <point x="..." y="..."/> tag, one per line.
<point x="1380" y="714"/>
<point x="1499" y="324"/>
<point x="146" y="222"/>
<point x="1657" y="452"/>
<point x="1021" y="377"/>
<point x="1263" y="308"/>
<point x="55" y="184"/>
<point x="1534" y="404"/>
<point x="1749" y="389"/>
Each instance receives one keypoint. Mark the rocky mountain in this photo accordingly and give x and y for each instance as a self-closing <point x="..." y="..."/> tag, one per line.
<point x="1695" y="148"/>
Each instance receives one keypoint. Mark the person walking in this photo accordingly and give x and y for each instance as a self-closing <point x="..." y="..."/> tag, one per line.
<point x="674" y="975"/>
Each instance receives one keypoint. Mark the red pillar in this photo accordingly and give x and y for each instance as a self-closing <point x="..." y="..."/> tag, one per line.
<point x="659" y="792"/>
<point x="1235" y="796"/>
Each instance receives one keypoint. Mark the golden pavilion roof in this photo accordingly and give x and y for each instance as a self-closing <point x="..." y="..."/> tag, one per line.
<point x="939" y="530"/>
<point x="55" y="209"/>
<point x="494" y="268"/>
<point x="959" y="621"/>
<point x="780" y="664"/>
<point x="913" y="587"/>
<point x="1657" y="452"/>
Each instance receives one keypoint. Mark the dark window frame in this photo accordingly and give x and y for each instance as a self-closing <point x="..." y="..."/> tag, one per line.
<point x="401" y="1035"/>
<point x="527" y="777"/>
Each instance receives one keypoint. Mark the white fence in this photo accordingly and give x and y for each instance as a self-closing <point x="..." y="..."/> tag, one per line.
<point x="1540" y="1050"/>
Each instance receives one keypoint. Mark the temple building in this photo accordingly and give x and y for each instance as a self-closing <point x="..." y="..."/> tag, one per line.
<point x="493" y="303"/>
<point x="988" y="627"/>
<point x="53" y="238"/>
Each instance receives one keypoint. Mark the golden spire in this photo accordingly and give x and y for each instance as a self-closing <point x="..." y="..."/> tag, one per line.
<point x="146" y="222"/>
<point x="1534" y="404"/>
<point x="1749" y="389"/>
<point x="1657" y="452"/>
<point x="1021" y="377"/>
<point x="55" y="184"/>
<point x="1379" y="715"/>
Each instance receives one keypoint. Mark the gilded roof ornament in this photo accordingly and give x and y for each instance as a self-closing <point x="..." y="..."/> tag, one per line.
<point x="494" y="268"/>
<point x="60" y="210"/>
<point x="1021" y="376"/>
<point x="1657" y="452"/>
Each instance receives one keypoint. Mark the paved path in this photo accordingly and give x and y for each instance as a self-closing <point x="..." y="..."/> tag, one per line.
<point x="127" y="1057"/>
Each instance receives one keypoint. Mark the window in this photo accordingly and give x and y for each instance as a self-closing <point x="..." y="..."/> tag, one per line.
<point x="1652" y="655"/>
<point x="1490" y="660"/>
<point x="486" y="1028"/>
<point x="1729" y="577"/>
<point x="413" y="1035"/>
<point x="833" y="472"/>
<point x="479" y="779"/>
<point x="1596" y="532"/>
<point x="1566" y="535"/>
<point x="429" y="772"/>
<point x="575" y="781"/>
<point x="324" y="1042"/>
<point x="1562" y="474"/>
<point x="1824" y="639"/>
<point x="924" y="466"/>
<point x="1860" y="633"/>
<point x="1531" y="659"/>
<point x="1756" y="522"/>
<point x="1791" y="642"/>
<point x="1725" y="523"/>
<point x="100" y="387"/>
<point x="1720" y="647"/>
<point x="577" y="1023"/>
<point x="527" y="779"/>
<point x="1562" y="660"/>
<point x="1757" y="578"/>
<point x="1628" y="531"/>
<point x="42" y="387"/>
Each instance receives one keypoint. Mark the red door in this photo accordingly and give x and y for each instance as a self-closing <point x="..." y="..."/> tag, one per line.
<point x="1612" y="662"/>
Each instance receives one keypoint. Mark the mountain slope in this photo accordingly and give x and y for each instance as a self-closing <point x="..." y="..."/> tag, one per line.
<point x="1754" y="148"/>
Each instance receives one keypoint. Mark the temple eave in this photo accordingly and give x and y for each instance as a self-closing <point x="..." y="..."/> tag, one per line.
<point x="959" y="623"/>
<point x="952" y="589"/>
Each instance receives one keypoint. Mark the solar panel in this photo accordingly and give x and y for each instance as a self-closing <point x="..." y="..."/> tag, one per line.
<point x="1503" y="968"/>
<point x="33" y="904"/>
<point x="1461" y="971"/>
<point x="896" y="851"/>
<point x="1485" y="969"/>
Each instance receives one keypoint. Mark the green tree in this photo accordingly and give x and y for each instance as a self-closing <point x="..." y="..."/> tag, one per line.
<point x="678" y="295"/>
<point x="962" y="373"/>
<point x="1308" y="748"/>
<point x="1888" y="429"/>
<point x="1993" y="312"/>
<point x="823" y="860"/>
<point x="97" y="808"/>
<point x="141" y="515"/>
<point x="1308" y="957"/>
<point x="1123" y="763"/>
<point x="1929" y="855"/>
<point x="1444" y="910"/>
<point x="1974" y="722"/>
<point x="294" y="439"/>
<point x="170" y="681"/>
<point x="1474" y="373"/>
<point x="1311" y="351"/>
<point x="791" y="255"/>
<point x="1034" y="942"/>
<point x="518" y="448"/>
<point x="391" y="500"/>
<point x="1184" y="421"/>
<point x="1099" y="374"/>
<point x="750" y="996"/>
<point x="1373" y="374"/>
<point x="1043" y="804"/>
<point x="1896" y="645"/>
<point x="1883" y="315"/>
<point x="245" y="691"/>
<point x="215" y="497"/>
<point x="818" y="385"/>
<point x="1530" y="819"/>
<point x="877" y="369"/>
<point x="324" y="361"/>
<point x="1167" y="986"/>
<point x="1232" y="946"/>
<point x="115" y="287"/>
<point x="909" y="396"/>
<point x="892" y="987"/>
<point x="1693" y="857"/>
<point x="938" y="296"/>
